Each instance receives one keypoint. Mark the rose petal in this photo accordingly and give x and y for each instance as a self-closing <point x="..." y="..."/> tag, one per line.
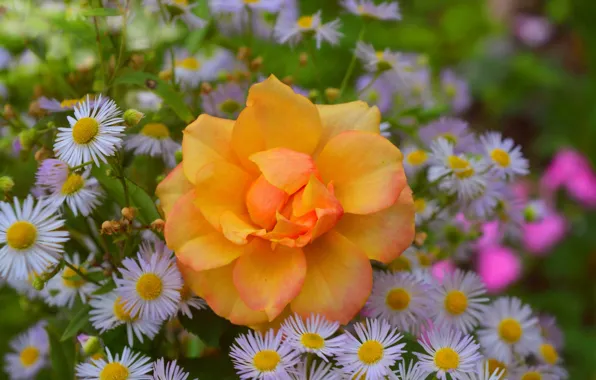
<point x="263" y="201"/>
<point x="171" y="188"/>
<point x="284" y="168"/>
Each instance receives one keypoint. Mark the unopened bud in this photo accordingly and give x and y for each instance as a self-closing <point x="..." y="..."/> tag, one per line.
<point x="178" y="156"/>
<point x="158" y="225"/>
<point x="137" y="61"/>
<point x="9" y="112"/>
<point x="132" y="117"/>
<point x="35" y="109"/>
<point x="313" y="95"/>
<point x="43" y="153"/>
<point x="38" y="283"/>
<point x="6" y="184"/>
<point x="27" y="138"/>
<point x="206" y="88"/>
<point x="420" y="238"/>
<point x="289" y="80"/>
<point x="243" y="53"/>
<point x="256" y="64"/>
<point x="332" y="94"/>
<point x="303" y="59"/>
<point x="129" y="213"/>
<point x="165" y="75"/>
<point x="90" y="344"/>
<point x="110" y="227"/>
<point x="160" y="178"/>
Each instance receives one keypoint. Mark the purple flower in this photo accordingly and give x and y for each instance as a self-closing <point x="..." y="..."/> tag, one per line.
<point x="227" y="100"/>
<point x="379" y="93"/>
<point x="456" y="90"/>
<point x="534" y="31"/>
<point x="455" y="131"/>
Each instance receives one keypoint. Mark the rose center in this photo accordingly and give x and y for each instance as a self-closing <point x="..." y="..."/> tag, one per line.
<point x="29" y="356"/>
<point x="312" y="340"/>
<point x="398" y="299"/>
<point x="456" y="302"/>
<point x="114" y="371"/>
<point x="370" y="352"/>
<point x="85" y="130"/>
<point x="510" y="330"/>
<point x="266" y="360"/>
<point x="446" y="359"/>
<point x="21" y="235"/>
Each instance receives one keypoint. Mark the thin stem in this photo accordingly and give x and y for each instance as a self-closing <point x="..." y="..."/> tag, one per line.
<point x="80" y="274"/>
<point x="313" y="50"/>
<point x="99" y="50"/>
<point x="352" y="65"/>
<point x="122" y="40"/>
<point x="80" y="166"/>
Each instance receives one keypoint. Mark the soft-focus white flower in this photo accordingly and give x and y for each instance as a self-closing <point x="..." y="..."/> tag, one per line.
<point x="415" y="159"/>
<point x="413" y="371"/>
<point x="367" y="8"/>
<point x="237" y="6"/>
<point x="317" y="371"/>
<point x="191" y="69"/>
<point x="313" y="335"/>
<point x="293" y="30"/>
<point x="67" y="284"/>
<point x="169" y="371"/>
<point x="154" y="140"/>
<point x="129" y="366"/>
<point x="483" y="372"/>
<point x="28" y="353"/>
<point x="505" y="157"/>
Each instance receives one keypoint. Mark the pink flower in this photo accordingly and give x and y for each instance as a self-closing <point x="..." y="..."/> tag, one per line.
<point x="534" y="31"/>
<point x="441" y="268"/>
<point x="571" y="170"/>
<point x="492" y="234"/>
<point x="498" y="267"/>
<point x="542" y="235"/>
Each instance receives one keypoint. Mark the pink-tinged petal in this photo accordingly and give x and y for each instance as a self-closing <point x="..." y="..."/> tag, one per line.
<point x="185" y="222"/>
<point x="171" y="188"/>
<point x="338" y="279"/>
<point x="263" y="201"/>
<point x="492" y="235"/>
<point x="269" y="279"/>
<point x="383" y="235"/>
<point x="217" y="288"/>
<point x="498" y="267"/>
<point x="206" y="140"/>
<point x="541" y="236"/>
<point x="366" y="171"/>
<point x="285" y="169"/>
<point x="441" y="268"/>
<point x="285" y="228"/>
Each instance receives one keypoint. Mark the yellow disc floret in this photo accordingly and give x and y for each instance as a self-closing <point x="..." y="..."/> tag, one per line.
<point x="312" y="340"/>
<point x="398" y="299"/>
<point x="73" y="183"/>
<point x="29" y="356"/>
<point x="460" y="166"/>
<point x="71" y="279"/>
<point x="456" y="302"/>
<point x="149" y="286"/>
<point x="370" y="352"/>
<point x="156" y="130"/>
<point x="417" y="157"/>
<point x="85" y="130"/>
<point x="500" y="157"/>
<point x="266" y="360"/>
<point x="510" y="330"/>
<point x="446" y="359"/>
<point x="21" y="235"/>
<point x="114" y="371"/>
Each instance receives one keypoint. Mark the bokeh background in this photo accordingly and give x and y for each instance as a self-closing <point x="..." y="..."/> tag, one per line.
<point x="531" y="70"/>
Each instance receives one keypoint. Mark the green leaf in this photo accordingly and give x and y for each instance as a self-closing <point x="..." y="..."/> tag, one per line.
<point x="61" y="355"/>
<point x="77" y="322"/>
<point x="206" y="325"/>
<point x="100" y="12"/>
<point x="138" y="197"/>
<point x="217" y="367"/>
<point x="169" y="95"/>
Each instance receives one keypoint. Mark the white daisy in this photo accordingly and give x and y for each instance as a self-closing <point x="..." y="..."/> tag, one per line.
<point x="314" y="335"/>
<point x="456" y="174"/>
<point x="191" y="69"/>
<point x="25" y="287"/>
<point x="150" y="288"/>
<point x="66" y="285"/>
<point x="382" y="60"/>
<point x="534" y="373"/>
<point x="169" y="371"/>
<point x="506" y="157"/>
<point x="483" y="372"/>
<point x="31" y="239"/>
<point x="367" y="8"/>
<point x="189" y="300"/>
<point x="415" y="159"/>
<point x="316" y="371"/>
<point x="28" y="353"/>
<point x="154" y="140"/>
<point x="413" y="371"/>
<point x="236" y="6"/>
<point x="497" y="366"/>
<point x="94" y="133"/>
<point x="129" y="366"/>
<point x="459" y="301"/>
<point x="186" y="14"/>
<point x="108" y="311"/>
<point x="258" y="356"/>
<point x="427" y="209"/>
<point x="399" y="298"/>
<point x="372" y="351"/>
<point x="409" y="261"/>
<point x="292" y="30"/>
<point x="547" y="353"/>
<point x="508" y="327"/>
<point x="448" y="352"/>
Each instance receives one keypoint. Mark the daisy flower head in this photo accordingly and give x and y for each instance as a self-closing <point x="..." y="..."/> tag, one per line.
<point x="186" y="14"/>
<point x="457" y="173"/>
<point x="258" y="356"/>
<point x="483" y="372"/>
<point x="318" y="371"/>
<point x="367" y="8"/>
<point x="109" y="311"/>
<point x="455" y="131"/>
<point x="547" y="354"/>
<point x="428" y="209"/>
<point x="550" y="331"/>
<point x="535" y="373"/>
<point x="169" y="371"/>
<point x="376" y="91"/>
<point x="154" y="140"/>
<point x="505" y="157"/>
<point x="406" y="262"/>
<point x="65" y="286"/>
<point x="459" y="301"/>
<point x="189" y="300"/>
<point x="371" y="352"/>
<point x="508" y="327"/>
<point x="293" y="30"/>
<point x="54" y="105"/>
<point x="400" y="298"/>
<point x="191" y="69"/>
<point x="456" y="91"/>
<point x="313" y="335"/>
<point x="128" y="366"/>
<point x="94" y="134"/>
<point x="225" y="101"/>
<point x="382" y="60"/>
<point x="237" y="6"/>
<point x="413" y="371"/>
<point x="29" y="353"/>
<point x="146" y="100"/>
<point x="30" y="237"/>
<point x="448" y="352"/>
<point x="484" y="204"/>
<point x="150" y="288"/>
<point x="415" y="159"/>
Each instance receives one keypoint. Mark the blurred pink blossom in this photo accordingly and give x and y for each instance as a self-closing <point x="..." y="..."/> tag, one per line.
<point x="542" y="235"/>
<point x="534" y="31"/>
<point x="498" y="267"/>
<point x="492" y="234"/>
<point x="571" y="170"/>
<point x="441" y="268"/>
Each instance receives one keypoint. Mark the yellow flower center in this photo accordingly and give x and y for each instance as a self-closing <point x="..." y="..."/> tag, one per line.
<point x="494" y="365"/>
<point x="29" y="356"/>
<point x="379" y="55"/>
<point x="510" y="330"/>
<point x="85" y="130"/>
<point x="156" y="130"/>
<point x="419" y="205"/>
<point x="446" y="359"/>
<point x="450" y="90"/>
<point x="69" y="103"/>
<point x="121" y="312"/>
<point x="450" y="137"/>
<point x="532" y="376"/>
<point x="312" y="340"/>
<point x="266" y="360"/>
<point x="73" y="183"/>
<point x="229" y="106"/>
<point x="149" y="286"/>
<point x="97" y="356"/>
<point x="425" y="259"/>
<point x="305" y="22"/>
<point x="370" y="352"/>
<point x="113" y="371"/>
<point x="189" y="63"/>
<point x="401" y="264"/>
<point x="251" y="1"/>
<point x="21" y="235"/>
<point x="549" y="354"/>
<point x="67" y="278"/>
<point x="456" y="302"/>
<point x="417" y="157"/>
<point x="181" y="2"/>
<point x="461" y="167"/>
<point x="500" y="157"/>
<point x="398" y="299"/>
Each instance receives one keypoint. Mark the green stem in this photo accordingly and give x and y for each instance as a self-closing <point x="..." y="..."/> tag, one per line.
<point x="80" y="274"/>
<point x="99" y="50"/>
<point x="313" y="51"/>
<point x="122" y="41"/>
<point x="80" y="166"/>
<point x="352" y="65"/>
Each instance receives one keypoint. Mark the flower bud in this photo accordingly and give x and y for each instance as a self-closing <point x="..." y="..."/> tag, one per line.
<point x="129" y="213"/>
<point x="332" y="94"/>
<point x="132" y="117"/>
<point x="27" y="138"/>
<point x="289" y="80"/>
<point x="6" y="184"/>
<point x="9" y="112"/>
<point x="43" y="153"/>
<point x="243" y="53"/>
<point x="110" y="227"/>
<point x="313" y="95"/>
<point x="35" y="109"/>
<point x="206" y="88"/>
<point x="420" y="238"/>
<point x="303" y="59"/>
<point x="38" y="283"/>
<point x="90" y="344"/>
<point x="178" y="156"/>
<point x="255" y="64"/>
<point x="158" y="225"/>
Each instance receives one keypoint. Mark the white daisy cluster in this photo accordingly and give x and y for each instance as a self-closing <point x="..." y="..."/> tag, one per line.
<point x="449" y="328"/>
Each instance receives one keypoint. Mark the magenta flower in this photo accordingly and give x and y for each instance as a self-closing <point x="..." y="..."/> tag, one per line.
<point x="572" y="171"/>
<point x="499" y="267"/>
